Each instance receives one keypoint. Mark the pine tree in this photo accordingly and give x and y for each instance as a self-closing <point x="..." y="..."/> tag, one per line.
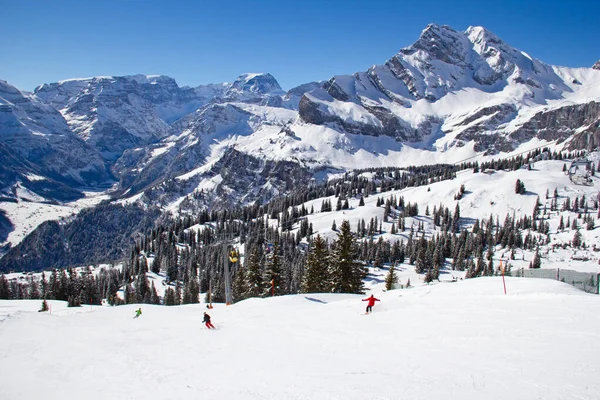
<point x="254" y="280"/>
<point x="537" y="260"/>
<point x="73" y="301"/>
<point x="34" y="292"/>
<point x="316" y="275"/>
<point x="347" y="275"/>
<point x="273" y="274"/>
<point x="520" y="187"/>
<point x="130" y="295"/>
<point x="391" y="278"/>
<point x="239" y="288"/>
<point x="576" y="242"/>
<point x="561" y="224"/>
<point x="141" y="287"/>
<point x="590" y="224"/>
<point x="44" y="306"/>
<point x="170" y="297"/>
<point x="154" y="299"/>
<point x="4" y="288"/>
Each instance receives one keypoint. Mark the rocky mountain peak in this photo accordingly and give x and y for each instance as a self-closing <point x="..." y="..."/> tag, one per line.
<point x="596" y="65"/>
<point x="439" y="42"/>
<point x="257" y="83"/>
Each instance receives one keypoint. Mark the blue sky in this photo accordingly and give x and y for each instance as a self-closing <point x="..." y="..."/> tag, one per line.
<point x="207" y="41"/>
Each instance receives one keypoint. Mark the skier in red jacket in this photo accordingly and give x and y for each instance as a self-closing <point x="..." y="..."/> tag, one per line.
<point x="207" y="322"/>
<point x="371" y="302"/>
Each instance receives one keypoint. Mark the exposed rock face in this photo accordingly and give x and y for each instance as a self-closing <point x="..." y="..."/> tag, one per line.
<point x="38" y="141"/>
<point x="562" y="123"/>
<point x="240" y="179"/>
<point x="596" y="65"/>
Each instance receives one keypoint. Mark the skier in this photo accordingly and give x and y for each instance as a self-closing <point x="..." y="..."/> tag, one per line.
<point x="207" y="322"/>
<point x="371" y="302"/>
<point x="138" y="312"/>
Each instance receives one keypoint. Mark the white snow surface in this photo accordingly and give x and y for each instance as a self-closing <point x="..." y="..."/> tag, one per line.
<point x="453" y="341"/>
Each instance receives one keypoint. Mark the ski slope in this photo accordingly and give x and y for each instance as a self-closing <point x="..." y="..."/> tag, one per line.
<point x="452" y="341"/>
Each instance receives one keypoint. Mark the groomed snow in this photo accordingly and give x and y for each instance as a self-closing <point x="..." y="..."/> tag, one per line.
<point x="452" y="341"/>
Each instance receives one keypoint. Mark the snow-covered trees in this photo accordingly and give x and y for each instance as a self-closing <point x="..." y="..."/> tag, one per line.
<point x="520" y="187"/>
<point x="346" y="272"/>
<point x="273" y="274"/>
<point x="254" y="281"/>
<point x="391" y="278"/>
<point x="316" y="274"/>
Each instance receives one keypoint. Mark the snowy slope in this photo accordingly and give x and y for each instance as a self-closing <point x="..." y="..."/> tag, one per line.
<point x="451" y="341"/>
<point x="486" y="194"/>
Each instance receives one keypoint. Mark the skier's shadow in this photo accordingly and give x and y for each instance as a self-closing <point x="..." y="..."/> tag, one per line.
<point x="315" y="300"/>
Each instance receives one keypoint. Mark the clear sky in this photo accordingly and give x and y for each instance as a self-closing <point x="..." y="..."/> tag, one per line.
<point x="208" y="41"/>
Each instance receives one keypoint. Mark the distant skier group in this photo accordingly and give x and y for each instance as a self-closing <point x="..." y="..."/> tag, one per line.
<point x="371" y="302"/>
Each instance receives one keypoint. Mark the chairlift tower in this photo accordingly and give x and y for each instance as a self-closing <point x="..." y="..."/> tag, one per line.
<point x="228" y="299"/>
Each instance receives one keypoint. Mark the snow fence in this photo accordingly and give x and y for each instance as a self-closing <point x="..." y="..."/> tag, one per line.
<point x="586" y="281"/>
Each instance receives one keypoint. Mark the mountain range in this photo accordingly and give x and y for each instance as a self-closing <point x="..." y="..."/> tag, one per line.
<point x="448" y="97"/>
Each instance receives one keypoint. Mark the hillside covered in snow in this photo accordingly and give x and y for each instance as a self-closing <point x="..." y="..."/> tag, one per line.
<point x="461" y="340"/>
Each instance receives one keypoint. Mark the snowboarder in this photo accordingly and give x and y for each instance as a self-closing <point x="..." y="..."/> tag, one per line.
<point x="138" y="312"/>
<point x="207" y="322"/>
<point x="371" y="302"/>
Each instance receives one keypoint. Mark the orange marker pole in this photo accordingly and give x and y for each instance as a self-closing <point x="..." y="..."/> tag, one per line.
<point x="503" y="281"/>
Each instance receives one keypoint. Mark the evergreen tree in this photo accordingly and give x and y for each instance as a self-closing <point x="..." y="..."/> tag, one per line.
<point x="316" y="273"/>
<point x="254" y="280"/>
<point x="4" y="288"/>
<point x="73" y="301"/>
<point x="347" y="275"/>
<point x="154" y="299"/>
<point x="576" y="242"/>
<point x="239" y="288"/>
<point x="520" y="187"/>
<point x="590" y="224"/>
<point x="537" y="260"/>
<point x="130" y="295"/>
<point x="170" y="297"/>
<point x="44" y="306"/>
<point x="391" y="278"/>
<point x="273" y="274"/>
<point x="34" y="292"/>
<point x="141" y="288"/>
<point x="561" y="224"/>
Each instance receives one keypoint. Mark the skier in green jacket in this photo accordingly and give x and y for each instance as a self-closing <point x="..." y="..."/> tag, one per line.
<point x="138" y="312"/>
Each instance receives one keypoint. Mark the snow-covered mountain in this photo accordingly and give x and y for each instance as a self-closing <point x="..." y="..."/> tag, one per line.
<point x="453" y="89"/>
<point x="39" y="149"/>
<point x="113" y="114"/>
<point x="448" y="97"/>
